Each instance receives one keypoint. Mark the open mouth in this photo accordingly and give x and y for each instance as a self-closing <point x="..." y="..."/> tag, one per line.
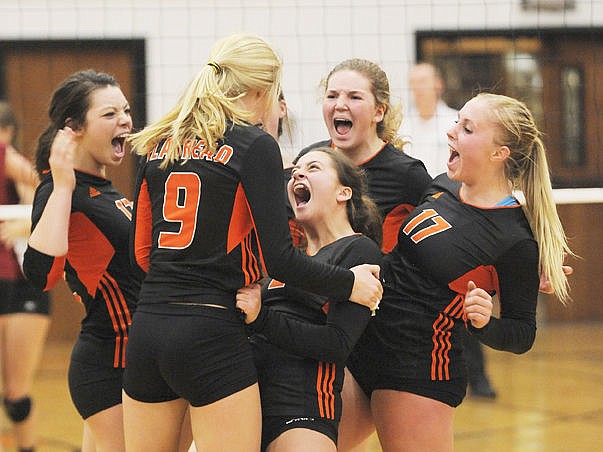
<point x="342" y="126"/>
<point x="302" y="195"/>
<point x="453" y="155"/>
<point x="118" y="144"/>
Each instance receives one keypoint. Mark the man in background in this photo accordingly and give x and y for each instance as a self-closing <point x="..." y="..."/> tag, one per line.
<point x="427" y="119"/>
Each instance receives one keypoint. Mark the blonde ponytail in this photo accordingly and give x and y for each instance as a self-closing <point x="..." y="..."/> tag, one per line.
<point x="239" y="64"/>
<point x="527" y="170"/>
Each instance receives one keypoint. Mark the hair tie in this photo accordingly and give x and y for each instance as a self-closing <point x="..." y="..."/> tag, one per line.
<point x="217" y="68"/>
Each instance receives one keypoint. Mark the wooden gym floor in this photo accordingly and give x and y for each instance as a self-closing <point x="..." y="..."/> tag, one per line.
<point x="550" y="399"/>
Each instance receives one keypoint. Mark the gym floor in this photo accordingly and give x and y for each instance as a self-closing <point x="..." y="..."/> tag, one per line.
<point x="550" y="399"/>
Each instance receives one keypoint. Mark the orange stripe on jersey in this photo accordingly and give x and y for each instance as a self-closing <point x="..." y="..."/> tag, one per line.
<point x="250" y="266"/>
<point x="56" y="272"/>
<point x="143" y="230"/>
<point x="115" y="323"/>
<point x="120" y="317"/>
<point x="391" y="226"/>
<point x="324" y="389"/>
<point x="485" y="277"/>
<point x="441" y="348"/>
<point x="85" y="240"/>
<point x="319" y="400"/>
<point x="442" y="331"/>
<point x="239" y="233"/>
<point x="122" y="304"/>
<point x="240" y="223"/>
<point x="298" y="235"/>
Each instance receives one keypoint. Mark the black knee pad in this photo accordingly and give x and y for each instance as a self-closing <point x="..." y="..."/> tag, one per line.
<point x="18" y="410"/>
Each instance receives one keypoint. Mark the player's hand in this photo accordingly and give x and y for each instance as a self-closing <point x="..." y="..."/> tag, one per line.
<point x="249" y="301"/>
<point x="478" y="305"/>
<point x="61" y="159"/>
<point x="367" y="289"/>
<point x="545" y="283"/>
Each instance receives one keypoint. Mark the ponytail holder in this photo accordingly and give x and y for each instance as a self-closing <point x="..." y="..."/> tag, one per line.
<point x="216" y="67"/>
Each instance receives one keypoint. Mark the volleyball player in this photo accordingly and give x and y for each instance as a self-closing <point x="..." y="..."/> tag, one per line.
<point x="302" y="340"/>
<point x="24" y="311"/>
<point x="209" y="217"/>
<point x="363" y="122"/>
<point x="80" y="228"/>
<point x="470" y="238"/>
<point x="277" y="121"/>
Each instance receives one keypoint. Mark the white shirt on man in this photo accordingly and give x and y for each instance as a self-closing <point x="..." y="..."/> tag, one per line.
<point x="427" y="139"/>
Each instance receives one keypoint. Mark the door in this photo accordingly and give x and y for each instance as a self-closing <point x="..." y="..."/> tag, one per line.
<point x="572" y="69"/>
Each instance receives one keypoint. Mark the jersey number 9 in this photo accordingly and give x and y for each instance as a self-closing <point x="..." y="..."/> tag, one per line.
<point x="181" y="206"/>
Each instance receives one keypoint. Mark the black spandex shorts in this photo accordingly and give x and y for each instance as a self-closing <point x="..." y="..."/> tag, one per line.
<point x="274" y="426"/>
<point x="288" y="384"/>
<point x="20" y="297"/>
<point x="371" y="377"/>
<point x="94" y="385"/>
<point x="197" y="353"/>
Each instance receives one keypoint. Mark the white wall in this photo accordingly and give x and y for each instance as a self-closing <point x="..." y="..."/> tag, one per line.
<point x="311" y="35"/>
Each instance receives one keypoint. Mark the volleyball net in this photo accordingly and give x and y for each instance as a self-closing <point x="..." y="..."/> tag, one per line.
<point x="544" y="52"/>
<point x="501" y="45"/>
<point x="14" y="212"/>
<point x="561" y="196"/>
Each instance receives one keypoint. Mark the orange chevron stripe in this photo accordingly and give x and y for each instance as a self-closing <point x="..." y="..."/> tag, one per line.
<point x="321" y="409"/>
<point x="249" y="262"/>
<point x="442" y="332"/>
<point x="244" y="261"/>
<point x="324" y="388"/>
<point x="107" y="299"/>
<point x="56" y="272"/>
<point x="121" y="298"/>
<point x="119" y="314"/>
<point x="143" y="233"/>
<point x="329" y="393"/>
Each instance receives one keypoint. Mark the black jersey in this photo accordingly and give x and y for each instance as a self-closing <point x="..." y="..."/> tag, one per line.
<point x="315" y="335"/>
<point x="97" y="266"/>
<point x="212" y="223"/>
<point x="443" y="244"/>
<point x="328" y="329"/>
<point x="396" y="183"/>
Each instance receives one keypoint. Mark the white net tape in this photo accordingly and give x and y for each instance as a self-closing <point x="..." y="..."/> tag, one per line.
<point x="561" y="195"/>
<point x="574" y="195"/>
<point x="14" y="212"/>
